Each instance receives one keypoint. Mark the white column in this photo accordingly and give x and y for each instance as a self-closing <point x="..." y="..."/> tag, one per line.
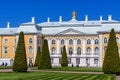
<point x="35" y="46"/>
<point x="83" y="45"/>
<point x="92" y="44"/>
<point x="66" y="44"/>
<point x="100" y="51"/>
<point x="75" y="43"/>
<point x="49" y="42"/>
<point x="57" y="46"/>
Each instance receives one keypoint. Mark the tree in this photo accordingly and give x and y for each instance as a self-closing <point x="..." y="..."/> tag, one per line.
<point x="20" y="62"/>
<point x="64" y="60"/>
<point x="37" y="60"/>
<point x="45" y="61"/>
<point x="111" y="60"/>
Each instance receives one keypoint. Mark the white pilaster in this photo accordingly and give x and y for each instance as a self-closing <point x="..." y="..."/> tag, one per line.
<point x="100" y="51"/>
<point x="58" y="46"/>
<point x="83" y="45"/>
<point x="35" y="47"/>
<point x="75" y="43"/>
<point x="92" y="44"/>
<point x="66" y="44"/>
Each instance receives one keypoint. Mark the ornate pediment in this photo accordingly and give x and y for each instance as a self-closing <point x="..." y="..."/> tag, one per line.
<point x="70" y="31"/>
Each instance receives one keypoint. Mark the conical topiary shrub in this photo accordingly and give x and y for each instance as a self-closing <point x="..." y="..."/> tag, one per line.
<point x="20" y="62"/>
<point x="64" y="59"/>
<point x="37" y="60"/>
<point x="45" y="61"/>
<point x="111" y="62"/>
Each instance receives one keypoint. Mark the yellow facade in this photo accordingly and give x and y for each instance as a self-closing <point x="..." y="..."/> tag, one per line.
<point x="12" y="44"/>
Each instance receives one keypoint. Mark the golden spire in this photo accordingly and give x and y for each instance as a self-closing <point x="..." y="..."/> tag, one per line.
<point x="74" y="15"/>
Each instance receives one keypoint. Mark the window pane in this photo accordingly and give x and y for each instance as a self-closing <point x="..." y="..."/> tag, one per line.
<point x="30" y="49"/>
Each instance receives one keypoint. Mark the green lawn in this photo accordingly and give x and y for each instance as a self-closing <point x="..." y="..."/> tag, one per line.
<point x="55" y="76"/>
<point x="82" y="69"/>
<point x="5" y="67"/>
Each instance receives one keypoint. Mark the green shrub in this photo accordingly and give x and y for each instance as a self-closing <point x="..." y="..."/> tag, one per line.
<point x="37" y="60"/>
<point x="45" y="61"/>
<point x="20" y="62"/>
<point x="64" y="60"/>
<point x="111" y="60"/>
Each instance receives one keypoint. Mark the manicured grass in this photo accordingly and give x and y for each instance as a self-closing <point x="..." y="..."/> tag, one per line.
<point x="5" y="67"/>
<point x="55" y="76"/>
<point x="82" y="69"/>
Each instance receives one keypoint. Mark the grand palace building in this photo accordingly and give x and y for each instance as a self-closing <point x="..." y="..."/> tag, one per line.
<point x="85" y="41"/>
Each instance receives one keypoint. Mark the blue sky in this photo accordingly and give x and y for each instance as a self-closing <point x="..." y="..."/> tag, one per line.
<point x="20" y="11"/>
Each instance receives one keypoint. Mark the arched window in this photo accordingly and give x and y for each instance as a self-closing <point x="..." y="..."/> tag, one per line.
<point x="70" y="51"/>
<point x="61" y="50"/>
<point x="88" y="50"/>
<point x="96" y="50"/>
<point x="62" y="42"/>
<point x="70" y="42"/>
<point x="30" y="40"/>
<point x="88" y="41"/>
<point x="53" y="42"/>
<point x="78" y="50"/>
<point x="5" y="49"/>
<point x="30" y="49"/>
<point x="96" y="41"/>
<point x="6" y="41"/>
<point x="105" y="48"/>
<point x="53" y="50"/>
<point x="78" y="42"/>
<point x="117" y="39"/>
<point x="105" y="40"/>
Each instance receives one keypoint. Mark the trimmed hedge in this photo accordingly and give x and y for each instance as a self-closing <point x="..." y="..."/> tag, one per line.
<point x="45" y="61"/>
<point x="64" y="59"/>
<point x="37" y="60"/>
<point x="20" y="62"/>
<point x="111" y="62"/>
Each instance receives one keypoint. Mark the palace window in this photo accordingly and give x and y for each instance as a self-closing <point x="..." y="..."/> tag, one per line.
<point x="14" y="49"/>
<point x="69" y="60"/>
<point x="78" y="42"/>
<point x="88" y="41"/>
<point x="117" y="39"/>
<point x="105" y="48"/>
<point x="62" y="42"/>
<point x="70" y="51"/>
<point x="30" y="61"/>
<point x="88" y="50"/>
<point x="14" y="40"/>
<point x="30" y="41"/>
<point x="61" y="50"/>
<point x="96" y="41"/>
<point x="5" y="40"/>
<point x="5" y="49"/>
<point x="30" y="49"/>
<point x="77" y="61"/>
<point x="78" y="51"/>
<point x="96" y="50"/>
<point x="105" y="40"/>
<point x="53" y="42"/>
<point x="87" y="61"/>
<point x="95" y="61"/>
<point x="53" y="50"/>
<point x="52" y="60"/>
<point x="70" y="42"/>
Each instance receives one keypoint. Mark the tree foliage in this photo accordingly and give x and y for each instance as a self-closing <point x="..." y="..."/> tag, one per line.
<point x="64" y="59"/>
<point x="111" y="60"/>
<point x="20" y="62"/>
<point x="45" y="61"/>
<point x="37" y="60"/>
